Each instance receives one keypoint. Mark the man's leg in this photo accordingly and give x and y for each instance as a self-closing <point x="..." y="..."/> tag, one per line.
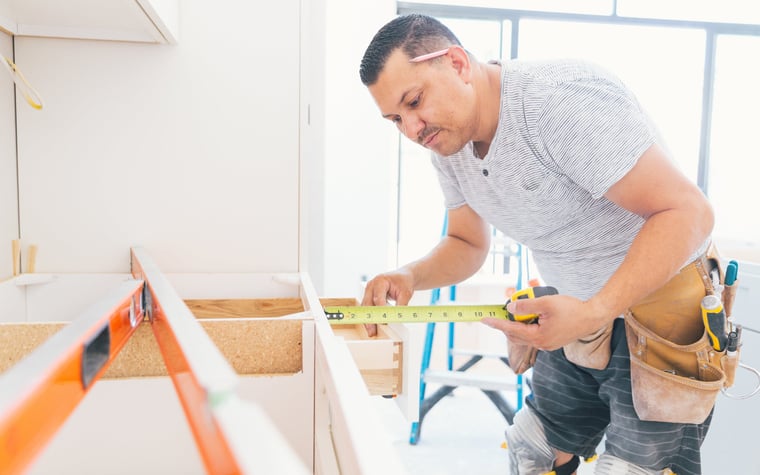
<point x="611" y="465"/>
<point x="529" y="452"/>
<point x="574" y="407"/>
<point x="656" y="446"/>
<point x="574" y="419"/>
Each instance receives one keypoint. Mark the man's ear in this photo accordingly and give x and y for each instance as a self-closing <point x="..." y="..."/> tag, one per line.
<point x="461" y="62"/>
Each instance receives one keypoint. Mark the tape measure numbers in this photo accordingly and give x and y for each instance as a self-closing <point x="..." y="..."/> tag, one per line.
<point x="412" y="314"/>
<point x="433" y="313"/>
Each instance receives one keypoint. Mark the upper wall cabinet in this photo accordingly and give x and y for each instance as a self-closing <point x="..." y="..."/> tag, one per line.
<point x="145" y="21"/>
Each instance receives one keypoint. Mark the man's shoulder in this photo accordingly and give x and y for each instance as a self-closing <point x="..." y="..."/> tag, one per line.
<point x="553" y="72"/>
<point x="531" y="86"/>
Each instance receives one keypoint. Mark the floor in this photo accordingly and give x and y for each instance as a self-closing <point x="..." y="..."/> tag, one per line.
<point x="462" y="434"/>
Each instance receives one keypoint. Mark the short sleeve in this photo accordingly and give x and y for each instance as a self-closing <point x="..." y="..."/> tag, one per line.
<point x="452" y="194"/>
<point x="594" y="131"/>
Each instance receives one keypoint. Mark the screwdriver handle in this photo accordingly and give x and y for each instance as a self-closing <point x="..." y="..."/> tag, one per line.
<point x="714" y="319"/>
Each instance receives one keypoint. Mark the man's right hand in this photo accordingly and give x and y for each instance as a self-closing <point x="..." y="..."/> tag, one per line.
<point x="396" y="286"/>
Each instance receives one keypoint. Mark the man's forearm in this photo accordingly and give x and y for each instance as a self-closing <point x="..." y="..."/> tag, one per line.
<point x="450" y="262"/>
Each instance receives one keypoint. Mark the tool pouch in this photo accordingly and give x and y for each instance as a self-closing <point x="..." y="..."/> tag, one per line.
<point x="592" y="351"/>
<point x="676" y="374"/>
<point x="521" y="357"/>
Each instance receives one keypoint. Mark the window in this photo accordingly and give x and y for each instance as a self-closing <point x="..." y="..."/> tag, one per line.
<point x="734" y="152"/>
<point x="642" y="56"/>
<point x="421" y="210"/>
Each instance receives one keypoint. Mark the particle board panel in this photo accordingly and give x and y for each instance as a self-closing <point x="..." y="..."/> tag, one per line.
<point x="19" y="339"/>
<point x="379" y="358"/>
<point x="252" y="347"/>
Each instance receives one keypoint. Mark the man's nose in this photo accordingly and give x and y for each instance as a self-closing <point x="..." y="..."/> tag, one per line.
<point x="412" y="126"/>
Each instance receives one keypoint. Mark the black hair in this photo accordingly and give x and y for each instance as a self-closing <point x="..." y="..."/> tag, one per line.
<point x="415" y="34"/>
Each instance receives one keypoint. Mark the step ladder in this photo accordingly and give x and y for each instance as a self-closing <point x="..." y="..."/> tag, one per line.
<point x="451" y="378"/>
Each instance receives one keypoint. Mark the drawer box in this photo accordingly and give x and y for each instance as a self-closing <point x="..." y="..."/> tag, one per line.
<point x="378" y="358"/>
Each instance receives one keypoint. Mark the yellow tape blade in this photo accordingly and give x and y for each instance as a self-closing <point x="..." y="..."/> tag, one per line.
<point x="348" y="315"/>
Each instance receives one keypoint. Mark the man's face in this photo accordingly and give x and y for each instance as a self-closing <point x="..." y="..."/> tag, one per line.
<point x="431" y="102"/>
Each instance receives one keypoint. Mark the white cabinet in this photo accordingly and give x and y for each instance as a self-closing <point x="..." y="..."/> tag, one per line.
<point x="145" y="21"/>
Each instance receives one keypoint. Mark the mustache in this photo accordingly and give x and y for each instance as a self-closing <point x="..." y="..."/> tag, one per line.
<point x="426" y="132"/>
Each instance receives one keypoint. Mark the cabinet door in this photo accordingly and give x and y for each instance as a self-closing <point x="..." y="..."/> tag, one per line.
<point x="147" y="21"/>
<point x="347" y="432"/>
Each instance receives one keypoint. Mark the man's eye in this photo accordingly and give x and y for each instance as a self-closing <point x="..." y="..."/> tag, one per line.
<point x="415" y="102"/>
<point x="396" y="119"/>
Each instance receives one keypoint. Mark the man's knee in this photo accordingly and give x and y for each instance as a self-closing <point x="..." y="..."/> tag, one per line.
<point x="529" y="451"/>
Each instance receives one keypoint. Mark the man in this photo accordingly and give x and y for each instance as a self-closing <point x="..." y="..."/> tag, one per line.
<point x="560" y="157"/>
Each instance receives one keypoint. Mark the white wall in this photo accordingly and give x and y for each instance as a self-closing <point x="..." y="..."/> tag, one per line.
<point x="312" y="146"/>
<point x="8" y="203"/>
<point x="193" y="150"/>
<point x="189" y="150"/>
<point x="361" y="154"/>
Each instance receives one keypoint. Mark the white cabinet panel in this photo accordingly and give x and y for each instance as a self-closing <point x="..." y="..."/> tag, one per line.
<point x="8" y="195"/>
<point x="191" y="150"/>
<point x="149" y="21"/>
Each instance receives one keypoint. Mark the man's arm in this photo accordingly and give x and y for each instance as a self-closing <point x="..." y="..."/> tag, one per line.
<point x="678" y="219"/>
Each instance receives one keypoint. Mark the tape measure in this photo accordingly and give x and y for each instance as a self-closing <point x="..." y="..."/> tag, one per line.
<point x="412" y="314"/>
<point x="351" y="315"/>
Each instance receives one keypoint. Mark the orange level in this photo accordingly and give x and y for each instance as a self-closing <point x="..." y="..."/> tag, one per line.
<point x="200" y="373"/>
<point x="40" y="392"/>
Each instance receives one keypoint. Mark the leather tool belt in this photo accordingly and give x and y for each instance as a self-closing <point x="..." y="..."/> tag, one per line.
<point x="676" y="374"/>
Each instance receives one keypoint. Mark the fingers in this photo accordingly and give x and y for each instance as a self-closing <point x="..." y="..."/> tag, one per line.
<point x="516" y="331"/>
<point x="526" y="306"/>
<point x="377" y="291"/>
<point x="371" y="329"/>
<point x="403" y="297"/>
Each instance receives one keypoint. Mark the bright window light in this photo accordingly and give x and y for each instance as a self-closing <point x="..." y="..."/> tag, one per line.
<point x="726" y="11"/>
<point x="643" y="57"/>
<point x="734" y="153"/>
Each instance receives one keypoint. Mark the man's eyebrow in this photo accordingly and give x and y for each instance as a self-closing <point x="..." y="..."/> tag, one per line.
<point x="401" y="101"/>
<point x="403" y="96"/>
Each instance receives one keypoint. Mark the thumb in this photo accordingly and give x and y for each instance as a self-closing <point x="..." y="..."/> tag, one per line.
<point x="523" y="307"/>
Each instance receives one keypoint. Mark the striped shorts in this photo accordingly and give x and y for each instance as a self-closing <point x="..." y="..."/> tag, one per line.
<point x="578" y="406"/>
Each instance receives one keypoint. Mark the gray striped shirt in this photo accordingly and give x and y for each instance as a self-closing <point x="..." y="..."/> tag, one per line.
<point x="567" y="132"/>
